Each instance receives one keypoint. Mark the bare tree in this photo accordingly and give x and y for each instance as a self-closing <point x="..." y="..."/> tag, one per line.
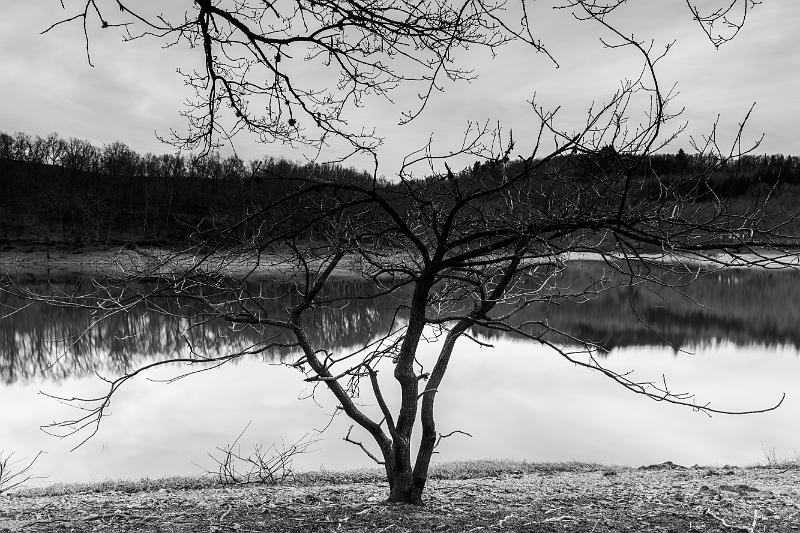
<point x="463" y="253"/>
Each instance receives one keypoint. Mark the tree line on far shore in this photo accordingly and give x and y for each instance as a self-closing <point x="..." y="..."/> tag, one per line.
<point x="73" y="193"/>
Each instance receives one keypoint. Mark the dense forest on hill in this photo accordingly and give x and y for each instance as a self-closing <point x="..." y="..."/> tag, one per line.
<point x="73" y="193"/>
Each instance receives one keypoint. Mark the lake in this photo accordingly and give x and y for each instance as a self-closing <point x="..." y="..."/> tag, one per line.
<point x="730" y="338"/>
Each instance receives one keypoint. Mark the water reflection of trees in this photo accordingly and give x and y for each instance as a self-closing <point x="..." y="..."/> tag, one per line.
<point x="741" y="306"/>
<point x="40" y="341"/>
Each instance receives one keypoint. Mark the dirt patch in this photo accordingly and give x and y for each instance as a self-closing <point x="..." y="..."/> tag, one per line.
<point x="604" y="500"/>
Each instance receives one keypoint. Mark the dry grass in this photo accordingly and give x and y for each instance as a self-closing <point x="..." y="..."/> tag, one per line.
<point x="549" y="498"/>
<point x="445" y="471"/>
<point x="776" y="460"/>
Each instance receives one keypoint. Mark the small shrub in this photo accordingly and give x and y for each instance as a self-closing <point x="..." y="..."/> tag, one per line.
<point x="269" y="466"/>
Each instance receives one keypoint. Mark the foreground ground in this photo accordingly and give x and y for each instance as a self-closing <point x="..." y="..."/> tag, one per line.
<point x="493" y="497"/>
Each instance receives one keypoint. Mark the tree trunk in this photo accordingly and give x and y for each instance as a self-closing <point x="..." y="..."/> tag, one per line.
<point x="401" y="481"/>
<point x="403" y="489"/>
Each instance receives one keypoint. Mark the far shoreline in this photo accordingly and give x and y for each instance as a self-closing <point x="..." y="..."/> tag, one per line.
<point x="39" y="262"/>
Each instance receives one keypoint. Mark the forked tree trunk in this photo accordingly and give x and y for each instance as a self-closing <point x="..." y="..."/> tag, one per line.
<point x="404" y="487"/>
<point x="404" y="490"/>
<point x="407" y="484"/>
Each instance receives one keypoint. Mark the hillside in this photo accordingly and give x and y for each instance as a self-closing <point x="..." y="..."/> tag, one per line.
<point x="74" y="194"/>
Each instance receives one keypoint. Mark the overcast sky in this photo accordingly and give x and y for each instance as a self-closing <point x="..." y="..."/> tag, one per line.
<point x="133" y="90"/>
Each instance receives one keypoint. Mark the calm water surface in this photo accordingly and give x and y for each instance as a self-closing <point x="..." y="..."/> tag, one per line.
<point x="519" y="400"/>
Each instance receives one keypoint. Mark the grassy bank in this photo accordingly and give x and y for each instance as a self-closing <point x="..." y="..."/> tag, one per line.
<point x="474" y="496"/>
<point x="36" y="263"/>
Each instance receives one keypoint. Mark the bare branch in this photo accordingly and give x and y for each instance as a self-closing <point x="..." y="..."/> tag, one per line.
<point x="15" y="473"/>
<point x="369" y="454"/>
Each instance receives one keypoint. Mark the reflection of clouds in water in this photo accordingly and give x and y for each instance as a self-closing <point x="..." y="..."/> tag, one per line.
<point x="157" y="429"/>
<point x="518" y="400"/>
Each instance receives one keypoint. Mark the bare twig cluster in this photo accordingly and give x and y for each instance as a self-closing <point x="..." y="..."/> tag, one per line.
<point x="255" y="53"/>
<point x="15" y="472"/>
<point x="270" y="466"/>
